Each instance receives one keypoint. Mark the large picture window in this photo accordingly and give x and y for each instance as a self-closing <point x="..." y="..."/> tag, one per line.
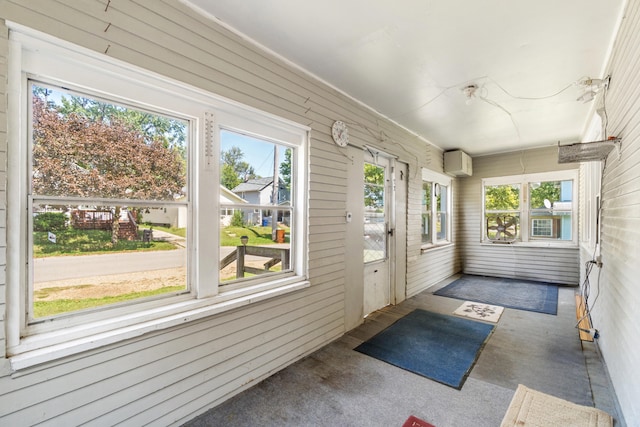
<point x="530" y="208"/>
<point x="97" y="168"/>
<point x="125" y="189"/>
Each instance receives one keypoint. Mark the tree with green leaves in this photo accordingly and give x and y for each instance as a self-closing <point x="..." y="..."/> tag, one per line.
<point x="171" y="132"/>
<point x="502" y="197"/>
<point x="80" y="153"/>
<point x="373" y="186"/>
<point x="549" y="190"/>
<point x="285" y="169"/>
<point x="233" y="169"/>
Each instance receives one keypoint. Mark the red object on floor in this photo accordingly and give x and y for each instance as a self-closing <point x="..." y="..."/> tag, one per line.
<point x="416" y="422"/>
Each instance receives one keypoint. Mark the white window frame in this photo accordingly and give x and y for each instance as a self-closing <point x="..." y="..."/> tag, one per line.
<point x="36" y="55"/>
<point x="524" y="221"/>
<point x="439" y="180"/>
<point x="548" y="221"/>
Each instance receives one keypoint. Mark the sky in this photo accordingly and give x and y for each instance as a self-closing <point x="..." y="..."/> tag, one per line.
<point x="257" y="153"/>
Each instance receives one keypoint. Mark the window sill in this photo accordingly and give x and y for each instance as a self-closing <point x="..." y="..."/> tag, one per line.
<point x="177" y="314"/>
<point x="437" y="246"/>
<point x="554" y="245"/>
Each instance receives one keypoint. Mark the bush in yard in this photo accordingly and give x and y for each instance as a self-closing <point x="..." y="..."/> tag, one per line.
<point x="49" y="221"/>
<point x="237" y="220"/>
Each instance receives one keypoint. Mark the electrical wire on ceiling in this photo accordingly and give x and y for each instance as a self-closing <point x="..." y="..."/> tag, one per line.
<point x="469" y="83"/>
<point x="469" y="89"/>
<point x="532" y="98"/>
<point x="495" y="104"/>
<point x="442" y="91"/>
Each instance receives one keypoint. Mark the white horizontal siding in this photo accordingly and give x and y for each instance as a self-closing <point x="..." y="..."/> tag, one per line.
<point x="615" y="313"/>
<point x="224" y="351"/>
<point x="170" y="376"/>
<point x="557" y="265"/>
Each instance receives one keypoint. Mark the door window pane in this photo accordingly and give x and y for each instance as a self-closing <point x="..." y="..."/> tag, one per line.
<point x="375" y="243"/>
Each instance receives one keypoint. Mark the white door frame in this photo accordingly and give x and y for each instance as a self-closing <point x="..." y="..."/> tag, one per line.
<point x="354" y="241"/>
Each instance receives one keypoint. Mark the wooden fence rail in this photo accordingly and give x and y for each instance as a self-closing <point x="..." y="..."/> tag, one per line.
<point x="275" y="255"/>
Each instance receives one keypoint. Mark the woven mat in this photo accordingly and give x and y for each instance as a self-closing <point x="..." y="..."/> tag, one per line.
<point x="535" y="409"/>
<point x="479" y="311"/>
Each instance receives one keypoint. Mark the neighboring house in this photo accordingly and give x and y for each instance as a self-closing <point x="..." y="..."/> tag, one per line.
<point x="259" y="191"/>
<point x="177" y="216"/>
<point x="228" y="197"/>
<point x="166" y="216"/>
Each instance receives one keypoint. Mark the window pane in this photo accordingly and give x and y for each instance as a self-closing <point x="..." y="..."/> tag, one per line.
<point x="78" y="266"/>
<point x="551" y="209"/>
<point x="255" y="220"/>
<point x="542" y="227"/>
<point x="85" y="147"/>
<point x="441" y="208"/>
<point x="375" y="243"/>
<point x="502" y="197"/>
<point x="113" y="247"/>
<point x="502" y="214"/>
<point x="426" y="212"/>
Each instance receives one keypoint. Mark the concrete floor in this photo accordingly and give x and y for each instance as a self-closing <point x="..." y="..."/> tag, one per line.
<point x="336" y="386"/>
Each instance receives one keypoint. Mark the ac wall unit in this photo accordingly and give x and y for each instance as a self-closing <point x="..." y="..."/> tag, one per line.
<point x="457" y="163"/>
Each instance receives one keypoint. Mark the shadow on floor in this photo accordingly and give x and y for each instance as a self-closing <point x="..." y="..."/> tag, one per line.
<point x="336" y="386"/>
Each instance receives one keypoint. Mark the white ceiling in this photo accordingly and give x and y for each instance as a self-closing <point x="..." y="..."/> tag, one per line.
<point x="409" y="60"/>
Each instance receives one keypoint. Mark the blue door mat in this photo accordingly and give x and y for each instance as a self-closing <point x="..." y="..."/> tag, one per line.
<point x="437" y="346"/>
<point x="526" y="295"/>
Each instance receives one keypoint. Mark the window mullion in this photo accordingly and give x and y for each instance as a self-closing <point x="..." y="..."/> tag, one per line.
<point x="205" y="209"/>
<point x="524" y="212"/>
<point x="434" y="214"/>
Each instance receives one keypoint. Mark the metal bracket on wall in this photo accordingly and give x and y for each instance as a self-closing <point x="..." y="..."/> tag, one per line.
<point x="588" y="151"/>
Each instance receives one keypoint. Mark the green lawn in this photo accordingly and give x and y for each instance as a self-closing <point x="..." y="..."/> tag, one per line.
<point x="230" y="236"/>
<point x="51" y="308"/>
<point x="83" y="242"/>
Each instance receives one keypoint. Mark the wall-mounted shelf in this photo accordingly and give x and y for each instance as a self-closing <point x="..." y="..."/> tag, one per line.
<point x="587" y="151"/>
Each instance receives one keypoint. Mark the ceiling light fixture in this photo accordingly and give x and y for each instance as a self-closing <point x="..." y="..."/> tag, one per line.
<point x="470" y="92"/>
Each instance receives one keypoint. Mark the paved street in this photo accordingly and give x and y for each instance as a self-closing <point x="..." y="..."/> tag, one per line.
<point x="75" y="267"/>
